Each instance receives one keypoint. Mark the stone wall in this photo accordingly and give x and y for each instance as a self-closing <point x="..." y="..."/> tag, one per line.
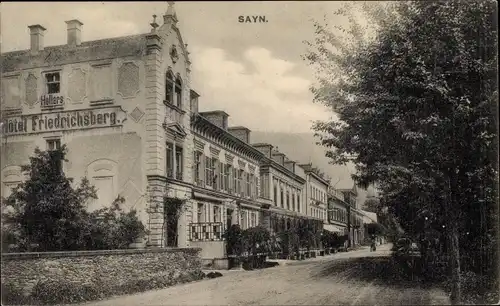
<point x="114" y="267"/>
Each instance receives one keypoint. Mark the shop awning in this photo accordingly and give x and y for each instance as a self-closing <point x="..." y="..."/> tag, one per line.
<point x="333" y="228"/>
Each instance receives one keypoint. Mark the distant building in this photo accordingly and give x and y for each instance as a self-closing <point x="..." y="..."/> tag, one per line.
<point x="316" y="192"/>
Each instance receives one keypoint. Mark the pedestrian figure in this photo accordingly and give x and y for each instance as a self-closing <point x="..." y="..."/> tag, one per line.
<point x="373" y="246"/>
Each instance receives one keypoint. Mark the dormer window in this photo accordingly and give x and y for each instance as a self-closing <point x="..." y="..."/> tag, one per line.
<point x="53" y="81"/>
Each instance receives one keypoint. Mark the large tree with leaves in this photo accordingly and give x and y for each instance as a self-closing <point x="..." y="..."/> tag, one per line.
<point x="416" y="101"/>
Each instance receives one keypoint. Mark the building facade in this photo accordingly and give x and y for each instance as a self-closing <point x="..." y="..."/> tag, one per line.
<point x="316" y="193"/>
<point x="126" y="112"/>
<point x="337" y="212"/>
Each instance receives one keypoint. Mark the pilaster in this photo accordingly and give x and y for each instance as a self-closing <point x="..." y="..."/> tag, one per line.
<point x="155" y="111"/>
<point x="156" y="192"/>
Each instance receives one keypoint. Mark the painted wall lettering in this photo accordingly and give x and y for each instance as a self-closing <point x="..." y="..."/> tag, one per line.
<point x="67" y="120"/>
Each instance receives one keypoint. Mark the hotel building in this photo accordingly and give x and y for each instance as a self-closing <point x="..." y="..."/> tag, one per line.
<point x="126" y="112"/>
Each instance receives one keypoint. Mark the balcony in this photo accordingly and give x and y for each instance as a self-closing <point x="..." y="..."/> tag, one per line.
<point x="173" y="113"/>
<point x="205" y="231"/>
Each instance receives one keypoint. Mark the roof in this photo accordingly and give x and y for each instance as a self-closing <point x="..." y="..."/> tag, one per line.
<point x="134" y="45"/>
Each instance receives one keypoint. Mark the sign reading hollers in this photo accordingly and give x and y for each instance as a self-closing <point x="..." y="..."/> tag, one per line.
<point x="65" y="120"/>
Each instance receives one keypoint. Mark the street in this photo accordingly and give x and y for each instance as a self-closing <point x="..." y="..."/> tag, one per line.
<point x="354" y="278"/>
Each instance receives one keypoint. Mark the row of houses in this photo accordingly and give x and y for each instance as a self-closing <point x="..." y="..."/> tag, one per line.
<point x="125" y="109"/>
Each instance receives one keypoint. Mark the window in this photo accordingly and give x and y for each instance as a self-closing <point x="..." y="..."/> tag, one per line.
<point x="244" y="221"/>
<point x="253" y="219"/>
<point x="256" y="186"/>
<point x="209" y="173"/>
<point x="216" y="214"/>
<point x="248" y="182"/>
<point x="201" y="213"/>
<point x="197" y="169"/>
<point x="227" y="177"/>
<point x="170" y="160"/>
<point x="275" y="194"/>
<point x="53" y="83"/>
<point x="240" y="182"/>
<point x="293" y="201"/>
<point x="54" y="145"/>
<point x="104" y="187"/>
<point x="8" y="187"/>
<point x="287" y="200"/>
<point x="169" y="87"/>
<point x="178" y="92"/>
<point x="298" y="203"/>
<point x="178" y="163"/>
<point x="282" y="198"/>
<point x="235" y="181"/>
<point x="222" y="176"/>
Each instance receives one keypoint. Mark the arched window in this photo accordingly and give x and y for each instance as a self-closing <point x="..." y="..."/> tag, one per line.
<point x="169" y="87"/>
<point x="11" y="178"/>
<point x="102" y="174"/>
<point x="178" y="92"/>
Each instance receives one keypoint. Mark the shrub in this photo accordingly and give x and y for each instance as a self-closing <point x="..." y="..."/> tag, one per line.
<point x="234" y="238"/>
<point x="255" y="239"/>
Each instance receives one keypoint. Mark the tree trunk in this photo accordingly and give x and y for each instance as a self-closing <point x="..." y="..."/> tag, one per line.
<point x="454" y="252"/>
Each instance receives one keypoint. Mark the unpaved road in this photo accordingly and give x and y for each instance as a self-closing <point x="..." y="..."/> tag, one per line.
<point x="354" y="278"/>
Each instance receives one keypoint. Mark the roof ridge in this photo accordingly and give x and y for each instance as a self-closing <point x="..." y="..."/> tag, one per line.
<point x="83" y="44"/>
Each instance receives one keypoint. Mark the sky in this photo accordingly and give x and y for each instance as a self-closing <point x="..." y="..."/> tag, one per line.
<point x="253" y="71"/>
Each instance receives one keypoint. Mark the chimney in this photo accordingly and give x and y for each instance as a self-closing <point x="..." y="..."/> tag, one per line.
<point x="264" y="148"/>
<point x="218" y="118"/>
<point x="36" y="34"/>
<point x="74" y="32"/>
<point x="194" y="101"/>
<point x="240" y="132"/>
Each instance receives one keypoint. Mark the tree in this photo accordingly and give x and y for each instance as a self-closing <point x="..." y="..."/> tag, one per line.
<point x="47" y="213"/>
<point x="372" y="205"/>
<point x="415" y="99"/>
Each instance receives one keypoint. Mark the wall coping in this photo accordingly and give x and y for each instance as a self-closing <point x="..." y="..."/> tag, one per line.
<point x="33" y="255"/>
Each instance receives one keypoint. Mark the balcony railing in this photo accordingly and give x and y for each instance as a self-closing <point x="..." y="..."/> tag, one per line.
<point x="205" y="231"/>
<point x="173" y="113"/>
<point x="199" y="182"/>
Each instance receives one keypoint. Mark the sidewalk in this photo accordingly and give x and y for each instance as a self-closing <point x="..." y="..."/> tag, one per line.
<point x="348" y="254"/>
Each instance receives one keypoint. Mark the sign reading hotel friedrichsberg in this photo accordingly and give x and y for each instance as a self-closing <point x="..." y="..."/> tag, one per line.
<point x="64" y="120"/>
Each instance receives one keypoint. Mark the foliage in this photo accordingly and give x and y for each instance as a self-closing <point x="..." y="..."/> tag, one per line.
<point x="256" y="239"/>
<point x="373" y="205"/>
<point x="45" y="213"/>
<point x="173" y="209"/>
<point x="416" y="108"/>
<point x="374" y="229"/>
<point x="111" y="228"/>
<point x="234" y="238"/>
<point x="333" y="240"/>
